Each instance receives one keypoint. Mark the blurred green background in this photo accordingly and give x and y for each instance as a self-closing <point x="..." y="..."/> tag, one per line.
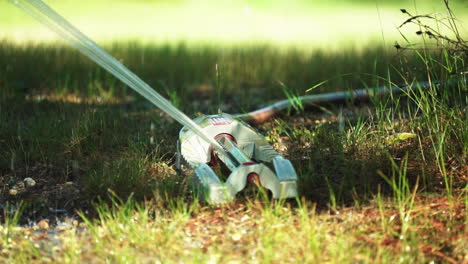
<point x="306" y="23"/>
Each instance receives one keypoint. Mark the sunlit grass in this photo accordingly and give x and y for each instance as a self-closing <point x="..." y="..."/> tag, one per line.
<point x="299" y="23"/>
<point x="253" y="232"/>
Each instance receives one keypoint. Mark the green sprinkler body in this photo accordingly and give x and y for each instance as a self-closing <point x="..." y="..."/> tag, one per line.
<point x="247" y="155"/>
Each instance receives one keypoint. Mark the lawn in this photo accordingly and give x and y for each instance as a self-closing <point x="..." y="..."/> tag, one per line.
<point x="383" y="180"/>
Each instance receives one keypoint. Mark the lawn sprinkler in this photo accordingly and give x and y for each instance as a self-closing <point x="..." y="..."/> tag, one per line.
<point x="203" y="141"/>
<point x="248" y="156"/>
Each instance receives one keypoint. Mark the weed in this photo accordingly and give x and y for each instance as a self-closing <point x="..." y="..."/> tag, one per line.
<point x="293" y="99"/>
<point x="402" y="194"/>
<point x="11" y="217"/>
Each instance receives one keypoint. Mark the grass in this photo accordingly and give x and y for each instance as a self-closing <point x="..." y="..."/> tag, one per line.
<point x="176" y="69"/>
<point x="77" y="150"/>
<point x="384" y="181"/>
<point x="80" y="143"/>
<point x="253" y="231"/>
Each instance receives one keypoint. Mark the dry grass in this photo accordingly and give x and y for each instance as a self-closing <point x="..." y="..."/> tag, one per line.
<point x="434" y="229"/>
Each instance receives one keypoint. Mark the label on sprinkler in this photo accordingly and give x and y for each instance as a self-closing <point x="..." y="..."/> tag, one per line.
<point x="220" y="120"/>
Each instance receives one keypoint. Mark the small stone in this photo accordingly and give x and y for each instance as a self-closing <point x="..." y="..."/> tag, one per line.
<point x="29" y="182"/>
<point x="13" y="192"/>
<point x="236" y="237"/>
<point x="43" y="224"/>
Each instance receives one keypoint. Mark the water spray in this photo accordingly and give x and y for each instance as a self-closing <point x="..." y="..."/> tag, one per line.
<point x="50" y="18"/>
